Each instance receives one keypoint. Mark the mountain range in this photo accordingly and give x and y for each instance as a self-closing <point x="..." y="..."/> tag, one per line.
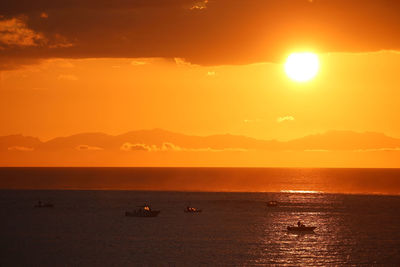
<point x="158" y="138"/>
<point x="100" y="149"/>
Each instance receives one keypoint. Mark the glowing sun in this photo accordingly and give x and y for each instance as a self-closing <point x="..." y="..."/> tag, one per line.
<point x="302" y="67"/>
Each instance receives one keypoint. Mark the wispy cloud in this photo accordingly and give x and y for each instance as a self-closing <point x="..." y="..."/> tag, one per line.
<point x="285" y="118"/>
<point x="170" y="147"/>
<point x="139" y="62"/>
<point x="166" y="146"/>
<point x="137" y="147"/>
<point x="59" y="41"/>
<point x="181" y="62"/>
<point x="199" y="5"/>
<point x="252" y="120"/>
<point x="21" y="148"/>
<point x="14" y="32"/>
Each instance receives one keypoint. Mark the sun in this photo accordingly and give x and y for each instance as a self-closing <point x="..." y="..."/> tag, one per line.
<point x="302" y="67"/>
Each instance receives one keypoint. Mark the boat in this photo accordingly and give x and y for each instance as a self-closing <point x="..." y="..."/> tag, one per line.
<point x="40" y="204"/>
<point x="301" y="228"/>
<point x="143" y="211"/>
<point x="191" y="210"/>
<point x="272" y="203"/>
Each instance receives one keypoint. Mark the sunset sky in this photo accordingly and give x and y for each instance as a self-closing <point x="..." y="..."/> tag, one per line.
<point x="198" y="67"/>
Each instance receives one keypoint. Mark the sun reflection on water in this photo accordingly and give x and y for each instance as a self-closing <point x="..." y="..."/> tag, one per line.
<point x="302" y="191"/>
<point x="310" y="248"/>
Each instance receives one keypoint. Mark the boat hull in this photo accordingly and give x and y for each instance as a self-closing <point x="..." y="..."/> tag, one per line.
<point x="301" y="228"/>
<point x="192" y="211"/>
<point x="152" y="213"/>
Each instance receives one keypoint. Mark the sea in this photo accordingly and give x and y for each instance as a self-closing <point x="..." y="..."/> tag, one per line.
<point x="87" y="225"/>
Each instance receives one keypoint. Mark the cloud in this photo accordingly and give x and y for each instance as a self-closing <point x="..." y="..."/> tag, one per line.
<point x="166" y="146"/>
<point x="14" y="32"/>
<point x="199" y="5"/>
<point x="224" y="32"/>
<point x="21" y="148"/>
<point x="211" y="73"/>
<point x="285" y="118"/>
<point x="252" y="120"/>
<point x="137" y="147"/>
<point x="88" y="148"/>
<point x="145" y="61"/>
<point x="67" y="77"/>
<point x="170" y="147"/>
<point x="59" y="41"/>
<point x="139" y="62"/>
<point x="181" y="62"/>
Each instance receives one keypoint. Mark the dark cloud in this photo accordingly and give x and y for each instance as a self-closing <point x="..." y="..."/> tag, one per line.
<point x="14" y="32"/>
<point x="220" y="32"/>
<point x="11" y="7"/>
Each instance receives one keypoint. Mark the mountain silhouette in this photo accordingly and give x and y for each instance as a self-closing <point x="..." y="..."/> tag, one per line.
<point x="330" y="140"/>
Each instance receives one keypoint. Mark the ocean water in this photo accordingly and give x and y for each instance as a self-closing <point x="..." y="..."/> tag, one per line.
<point x="88" y="228"/>
<point x="363" y="181"/>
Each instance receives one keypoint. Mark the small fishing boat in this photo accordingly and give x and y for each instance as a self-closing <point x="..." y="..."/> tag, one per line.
<point x="191" y="210"/>
<point x="40" y="204"/>
<point x="272" y="203"/>
<point x="143" y="211"/>
<point x="301" y="228"/>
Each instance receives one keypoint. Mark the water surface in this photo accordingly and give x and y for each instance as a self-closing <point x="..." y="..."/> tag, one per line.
<point x="88" y="228"/>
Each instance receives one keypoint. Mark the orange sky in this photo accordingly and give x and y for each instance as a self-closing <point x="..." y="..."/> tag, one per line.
<point x="61" y="97"/>
<point x="197" y="67"/>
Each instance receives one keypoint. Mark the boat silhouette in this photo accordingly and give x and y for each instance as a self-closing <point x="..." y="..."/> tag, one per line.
<point x="301" y="228"/>
<point x="191" y="210"/>
<point x="143" y="211"/>
<point x="40" y="204"/>
<point x="272" y="203"/>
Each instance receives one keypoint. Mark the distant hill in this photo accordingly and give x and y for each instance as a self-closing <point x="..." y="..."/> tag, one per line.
<point x="158" y="147"/>
<point x="157" y="138"/>
<point x="99" y="140"/>
<point x="344" y="140"/>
